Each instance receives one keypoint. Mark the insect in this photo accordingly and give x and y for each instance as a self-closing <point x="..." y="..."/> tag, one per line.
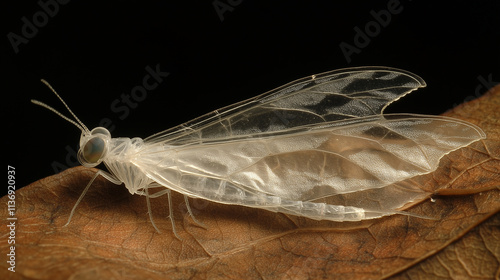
<point x="319" y="147"/>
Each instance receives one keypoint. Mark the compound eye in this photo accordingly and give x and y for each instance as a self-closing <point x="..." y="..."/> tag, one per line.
<point x="93" y="150"/>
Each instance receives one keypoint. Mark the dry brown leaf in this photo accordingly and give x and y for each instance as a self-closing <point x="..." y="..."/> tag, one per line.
<point x="110" y="236"/>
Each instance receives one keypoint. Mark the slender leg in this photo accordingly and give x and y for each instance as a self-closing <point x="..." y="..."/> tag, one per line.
<point x="170" y="207"/>
<point x="160" y="193"/>
<point x="150" y="212"/>
<point x="110" y="177"/>
<point x="192" y="215"/>
<point x="104" y="174"/>
<point x="151" y="186"/>
<point x="171" y="214"/>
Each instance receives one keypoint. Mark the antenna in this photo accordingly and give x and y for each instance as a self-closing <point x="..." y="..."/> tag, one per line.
<point x="80" y="124"/>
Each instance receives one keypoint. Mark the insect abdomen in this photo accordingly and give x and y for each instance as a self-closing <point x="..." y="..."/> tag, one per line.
<point x="229" y="194"/>
<point x="323" y="211"/>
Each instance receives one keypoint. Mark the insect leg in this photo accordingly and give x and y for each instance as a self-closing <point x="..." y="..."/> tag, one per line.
<point x="158" y="194"/>
<point x="192" y="215"/>
<point x="170" y="208"/>
<point x="104" y="174"/>
<point x="167" y="191"/>
<point x="171" y="213"/>
<point x="150" y="212"/>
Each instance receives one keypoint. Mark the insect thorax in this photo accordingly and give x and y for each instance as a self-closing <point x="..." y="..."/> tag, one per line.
<point x="122" y="153"/>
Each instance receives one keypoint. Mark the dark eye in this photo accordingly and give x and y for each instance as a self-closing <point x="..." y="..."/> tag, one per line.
<point x="93" y="150"/>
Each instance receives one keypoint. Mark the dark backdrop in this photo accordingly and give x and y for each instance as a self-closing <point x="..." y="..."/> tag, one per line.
<point x="217" y="53"/>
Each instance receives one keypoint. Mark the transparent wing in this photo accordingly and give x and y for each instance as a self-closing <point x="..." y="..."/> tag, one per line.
<point x="317" y="138"/>
<point x="312" y="162"/>
<point x="332" y="96"/>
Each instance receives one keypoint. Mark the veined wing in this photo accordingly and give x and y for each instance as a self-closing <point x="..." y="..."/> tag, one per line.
<point x="313" y="162"/>
<point x="332" y="96"/>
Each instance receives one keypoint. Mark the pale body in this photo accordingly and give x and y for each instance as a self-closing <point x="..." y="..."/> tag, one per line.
<point x="293" y="150"/>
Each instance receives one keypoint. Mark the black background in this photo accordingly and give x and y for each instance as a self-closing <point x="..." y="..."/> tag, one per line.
<point x="92" y="52"/>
